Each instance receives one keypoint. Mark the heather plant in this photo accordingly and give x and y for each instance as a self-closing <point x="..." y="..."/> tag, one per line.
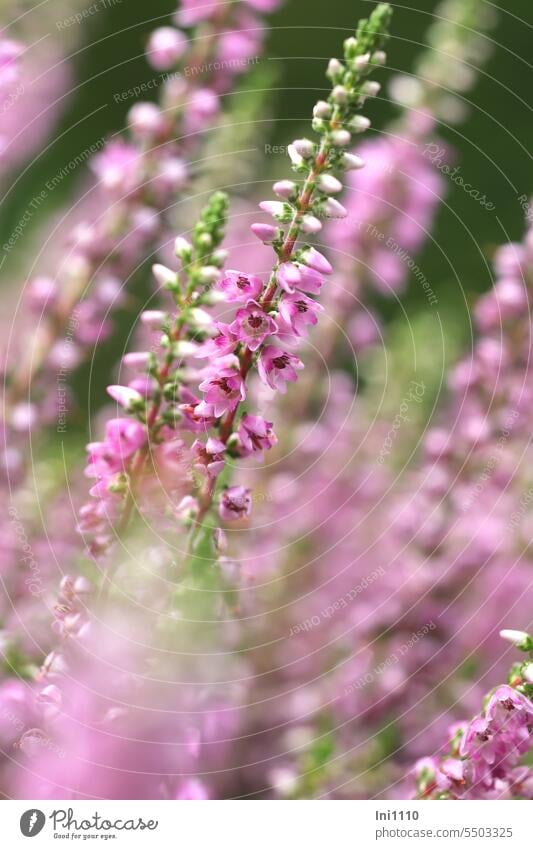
<point x="270" y="589"/>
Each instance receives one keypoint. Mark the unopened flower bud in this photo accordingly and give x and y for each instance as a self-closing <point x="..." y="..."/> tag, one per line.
<point x="277" y="209"/>
<point x="183" y="249"/>
<point x="334" y="209"/>
<point x="163" y="275"/>
<point x="340" y="94"/>
<point x="359" y="124"/>
<point x="361" y="63"/>
<point x="520" y="639"/>
<point x="371" y="88"/>
<point x="125" y="396"/>
<point x="153" y="318"/>
<point x="322" y="109"/>
<point x="329" y="184"/>
<point x="265" y="232"/>
<point x="341" y="138"/>
<point x="284" y="189"/>
<point x="352" y="162"/>
<point x="335" y="70"/>
<point x="311" y="224"/>
<point x="350" y="47"/>
<point x="209" y="274"/>
<point x="305" y="147"/>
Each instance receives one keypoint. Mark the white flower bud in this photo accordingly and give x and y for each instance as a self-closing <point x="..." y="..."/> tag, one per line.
<point x="295" y="157"/>
<point x="379" y="57"/>
<point x="359" y="123"/>
<point x="350" y="46"/>
<point x="201" y="317"/>
<point x="275" y="208"/>
<point x="334" y="209"/>
<point x="311" y="224"/>
<point x="220" y="255"/>
<point x="182" y="248"/>
<point x="362" y="62"/>
<point x="335" y="69"/>
<point x="183" y="348"/>
<point x="528" y="673"/>
<point x="322" y="109"/>
<point x="371" y="88"/>
<point x="163" y="275"/>
<point x="352" y="162"/>
<point x="514" y="637"/>
<point x="305" y="147"/>
<point x="284" y="188"/>
<point x="329" y="184"/>
<point x="340" y="94"/>
<point x="209" y="274"/>
<point x="341" y="138"/>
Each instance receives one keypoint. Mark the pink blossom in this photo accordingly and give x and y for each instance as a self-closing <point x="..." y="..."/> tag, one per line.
<point x="276" y="367"/>
<point x="255" y="434"/>
<point x="118" y="167"/>
<point x="295" y="275"/>
<point x="125" y="436"/>
<point x="165" y="46"/>
<point x="298" y="311"/>
<point x="209" y="456"/>
<point x="252" y="325"/>
<point x="235" y="503"/>
<point x="223" y="343"/>
<point x="224" y="390"/>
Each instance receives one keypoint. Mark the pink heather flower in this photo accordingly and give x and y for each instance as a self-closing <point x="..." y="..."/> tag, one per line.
<point x="240" y="287"/>
<point x="165" y="47"/>
<point x="209" y="456"/>
<point x="298" y="311"/>
<point x="255" y="435"/>
<point x="507" y="707"/>
<point x="252" y="325"/>
<point x="223" y="343"/>
<point x="125" y="436"/>
<point x="146" y="121"/>
<point x="118" y="167"/>
<point x="294" y="275"/>
<point x="276" y="367"/>
<point x="224" y="390"/>
<point x="198" y="416"/>
<point x="235" y="503"/>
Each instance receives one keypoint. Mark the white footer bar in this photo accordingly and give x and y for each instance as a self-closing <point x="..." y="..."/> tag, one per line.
<point x="268" y="824"/>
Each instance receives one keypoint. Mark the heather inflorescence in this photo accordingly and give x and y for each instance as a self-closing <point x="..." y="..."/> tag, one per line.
<point x="484" y="756"/>
<point x="175" y="395"/>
